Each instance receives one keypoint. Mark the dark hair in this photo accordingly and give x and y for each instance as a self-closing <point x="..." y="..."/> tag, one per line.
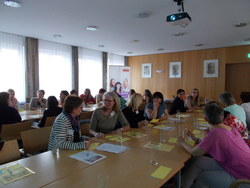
<point x="73" y="91"/>
<point x="102" y="90"/>
<point x="149" y="94"/>
<point x="4" y="99"/>
<point x="64" y="92"/>
<point x="214" y="113"/>
<point x="52" y="102"/>
<point x="159" y="95"/>
<point x="41" y="90"/>
<point x="120" y="89"/>
<point x="72" y="102"/>
<point x="245" y="96"/>
<point x="227" y="98"/>
<point x="180" y="90"/>
<point x="132" y="91"/>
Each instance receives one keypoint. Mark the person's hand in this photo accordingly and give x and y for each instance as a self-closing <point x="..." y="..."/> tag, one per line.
<point x="87" y="144"/>
<point x="99" y="135"/>
<point x="156" y="105"/>
<point x="190" y="134"/>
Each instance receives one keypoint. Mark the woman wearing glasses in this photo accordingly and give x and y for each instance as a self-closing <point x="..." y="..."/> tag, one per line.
<point x="192" y="101"/>
<point x="106" y="119"/>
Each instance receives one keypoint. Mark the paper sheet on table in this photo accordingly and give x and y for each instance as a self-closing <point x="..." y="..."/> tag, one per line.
<point x="94" y="146"/>
<point x="159" y="146"/>
<point x="164" y="127"/>
<point x="183" y="115"/>
<point x="14" y="172"/>
<point x="172" y="140"/>
<point x="88" y="157"/>
<point x="117" y="138"/>
<point x="111" y="148"/>
<point x="154" y="121"/>
<point x="161" y="172"/>
<point x="135" y="134"/>
<point x="196" y="131"/>
<point x="175" y="120"/>
<point x="190" y="142"/>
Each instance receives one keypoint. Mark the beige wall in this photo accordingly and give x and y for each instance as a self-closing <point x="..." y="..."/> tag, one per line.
<point x="192" y="71"/>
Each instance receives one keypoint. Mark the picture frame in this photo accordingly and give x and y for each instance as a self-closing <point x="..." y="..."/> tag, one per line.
<point x="211" y="69"/>
<point x="146" y="70"/>
<point x="175" y="70"/>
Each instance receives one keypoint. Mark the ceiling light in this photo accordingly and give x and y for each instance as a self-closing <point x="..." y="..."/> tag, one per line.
<point x="160" y="49"/>
<point x="101" y="46"/>
<point x="130" y="52"/>
<point x="144" y="14"/>
<point x="179" y="34"/>
<point x="57" y="36"/>
<point x="197" y="45"/>
<point x="242" y="24"/>
<point x="12" y="3"/>
<point x="133" y="41"/>
<point x="91" y="28"/>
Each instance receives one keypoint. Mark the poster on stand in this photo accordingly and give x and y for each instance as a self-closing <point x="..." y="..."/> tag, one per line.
<point x="119" y="80"/>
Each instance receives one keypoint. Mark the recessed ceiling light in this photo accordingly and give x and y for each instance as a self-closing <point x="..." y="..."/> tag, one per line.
<point x="179" y="34"/>
<point x="57" y="36"/>
<point x="91" y="28"/>
<point x="133" y="41"/>
<point x="130" y="52"/>
<point x="160" y="49"/>
<point x="12" y="3"/>
<point x="144" y="14"/>
<point x="242" y="24"/>
<point x="197" y="45"/>
<point x="101" y="46"/>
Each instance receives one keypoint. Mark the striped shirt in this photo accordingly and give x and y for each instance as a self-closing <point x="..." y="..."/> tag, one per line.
<point x="62" y="135"/>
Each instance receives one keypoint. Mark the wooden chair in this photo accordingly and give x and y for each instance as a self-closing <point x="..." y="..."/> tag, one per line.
<point x="9" y="152"/>
<point x="85" y="125"/>
<point x="85" y="115"/>
<point x="238" y="182"/>
<point x="142" y="106"/>
<point x="49" y="121"/>
<point x="36" y="140"/>
<point x="13" y="131"/>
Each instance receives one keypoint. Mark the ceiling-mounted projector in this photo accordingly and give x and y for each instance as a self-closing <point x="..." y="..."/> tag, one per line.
<point x="182" y="19"/>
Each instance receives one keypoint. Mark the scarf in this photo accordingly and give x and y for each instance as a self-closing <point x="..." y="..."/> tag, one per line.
<point x="75" y="126"/>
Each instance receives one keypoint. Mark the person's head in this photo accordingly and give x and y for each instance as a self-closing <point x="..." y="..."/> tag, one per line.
<point x="112" y="82"/>
<point x="180" y="93"/>
<point x="135" y="101"/>
<point x="125" y="83"/>
<point x="195" y="93"/>
<point x="73" y="105"/>
<point x="158" y="97"/>
<point x="63" y="94"/>
<point x="12" y="93"/>
<point x="214" y="113"/>
<point x="111" y="101"/>
<point x="87" y="92"/>
<point x="52" y="102"/>
<point x="245" y="96"/>
<point x="148" y="93"/>
<point x="4" y="99"/>
<point x="102" y="91"/>
<point x="118" y="87"/>
<point x="226" y="98"/>
<point x="73" y="92"/>
<point x="40" y="93"/>
<point x="210" y="68"/>
<point x="131" y="92"/>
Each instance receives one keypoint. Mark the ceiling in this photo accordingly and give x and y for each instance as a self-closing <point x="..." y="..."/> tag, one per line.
<point x="122" y="32"/>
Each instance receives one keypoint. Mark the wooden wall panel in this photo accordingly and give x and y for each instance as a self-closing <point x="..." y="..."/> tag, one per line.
<point x="192" y="71"/>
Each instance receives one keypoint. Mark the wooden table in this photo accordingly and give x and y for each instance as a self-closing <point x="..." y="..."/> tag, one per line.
<point x="31" y="115"/>
<point x="89" y="107"/>
<point x="131" y="168"/>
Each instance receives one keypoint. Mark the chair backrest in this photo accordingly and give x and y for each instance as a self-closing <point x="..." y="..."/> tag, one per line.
<point x="49" y="121"/>
<point x="9" y="152"/>
<point x="142" y="106"/>
<point x="13" y="131"/>
<point x="85" y="115"/>
<point x="36" y="140"/>
<point x="85" y="129"/>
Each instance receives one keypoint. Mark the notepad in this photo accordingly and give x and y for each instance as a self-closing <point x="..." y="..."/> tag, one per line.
<point x="88" y="157"/>
<point x="161" y="172"/>
<point x="111" y="148"/>
<point x="135" y="134"/>
<point x="154" y="121"/>
<point x="117" y="138"/>
<point x="93" y="146"/>
<point x="164" y="127"/>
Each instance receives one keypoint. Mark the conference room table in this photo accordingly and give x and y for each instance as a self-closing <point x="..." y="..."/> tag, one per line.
<point x="131" y="168"/>
<point x="31" y="114"/>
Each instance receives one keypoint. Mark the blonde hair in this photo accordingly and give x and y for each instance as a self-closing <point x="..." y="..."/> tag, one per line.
<point x="135" y="101"/>
<point x="114" y="96"/>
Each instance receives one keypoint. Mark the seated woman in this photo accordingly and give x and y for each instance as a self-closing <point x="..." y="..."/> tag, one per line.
<point x="99" y="96"/>
<point x="132" y="113"/>
<point x="39" y="101"/>
<point x="230" y="154"/>
<point x="105" y="119"/>
<point x="147" y="96"/>
<point x="245" y="98"/>
<point x="156" y="109"/>
<point x="63" y="95"/>
<point x="227" y="99"/>
<point x="65" y="132"/>
<point x="73" y="92"/>
<point x="13" y="101"/>
<point x="87" y="97"/>
<point x="192" y="101"/>
<point x="178" y="104"/>
<point x="8" y="114"/>
<point x="52" y="110"/>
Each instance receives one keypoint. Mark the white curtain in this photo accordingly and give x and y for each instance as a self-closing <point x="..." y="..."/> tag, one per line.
<point x="55" y="67"/>
<point x="12" y="64"/>
<point x="90" y="70"/>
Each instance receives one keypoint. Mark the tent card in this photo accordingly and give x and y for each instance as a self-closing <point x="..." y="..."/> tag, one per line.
<point x="88" y="157"/>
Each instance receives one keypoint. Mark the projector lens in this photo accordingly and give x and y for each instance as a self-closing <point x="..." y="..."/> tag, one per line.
<point x="172" y="17"/>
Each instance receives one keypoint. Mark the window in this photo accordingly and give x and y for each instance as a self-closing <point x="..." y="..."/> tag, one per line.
<point x="12" y="64"/>
<point x="55" y="67"/>
<point x="90" y="70"/>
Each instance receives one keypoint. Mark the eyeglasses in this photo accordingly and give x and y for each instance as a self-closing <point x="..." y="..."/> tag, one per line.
<point x="109" y="101"/>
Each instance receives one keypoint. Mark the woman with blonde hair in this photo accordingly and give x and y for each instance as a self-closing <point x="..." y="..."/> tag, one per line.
<point x="192" y="101"/>
<point x="132" y="113"/>
<point x="13" y="101"/>
<point x="105" y="119"/>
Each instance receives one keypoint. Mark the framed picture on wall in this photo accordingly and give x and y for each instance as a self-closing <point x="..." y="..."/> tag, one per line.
<point x="146" y="70"/>
<point x="175" y="70"/>
<point x="210" y="68"/>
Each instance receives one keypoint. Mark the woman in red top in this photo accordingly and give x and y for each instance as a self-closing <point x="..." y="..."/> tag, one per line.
<point x="87" y="97"/>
